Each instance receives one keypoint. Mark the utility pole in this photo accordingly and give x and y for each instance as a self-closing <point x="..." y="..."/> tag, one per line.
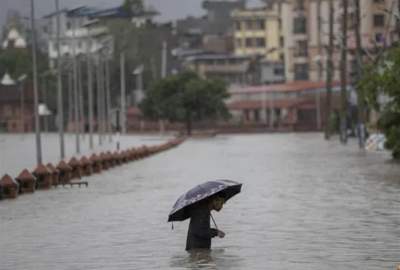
<point x="123" y="93"/>
<point x="81" y="101"/>
<point x="320" y="67"/>
<point x="60" y="101"/>
<point x="164" y="60"/>
<point x="343" y="75"/>
<point x="163" y="75"/>
<point x="360" y="95"/>
<point x="329" y="71"/>
<point x="90" y="90"/>
<point x="35" y="88"/>
<point x="99" y="101"/>
<point x="103" y="97"/>
<point x="108" y="99"/>
<point x="75" y="74"/>
<point x="70" y="97"/>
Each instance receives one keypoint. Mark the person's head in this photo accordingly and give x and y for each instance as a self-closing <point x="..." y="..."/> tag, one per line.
<point x="216" y="203"/>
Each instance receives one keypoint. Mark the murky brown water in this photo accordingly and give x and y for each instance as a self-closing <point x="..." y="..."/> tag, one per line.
<point x="305" y="204"/>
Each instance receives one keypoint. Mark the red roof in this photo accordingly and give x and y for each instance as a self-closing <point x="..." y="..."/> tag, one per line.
<point x="295" y="86"/>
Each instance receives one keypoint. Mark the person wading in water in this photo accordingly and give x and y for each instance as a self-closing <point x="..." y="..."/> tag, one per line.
<point x="200" y="233"/>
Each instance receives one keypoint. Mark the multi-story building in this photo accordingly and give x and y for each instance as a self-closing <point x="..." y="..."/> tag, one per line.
<point x="77" y="36"/>
<point x="81" y="32"/>
<point x="305" y="29"/>
<point x="240" y="70"/>
<point x="257" y="33"/>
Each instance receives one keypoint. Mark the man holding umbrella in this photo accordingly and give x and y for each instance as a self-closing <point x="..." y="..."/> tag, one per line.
<point x="197" y="204"/>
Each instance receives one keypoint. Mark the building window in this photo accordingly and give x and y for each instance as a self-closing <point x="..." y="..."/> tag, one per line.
<point x="259" y="24"/>
<point x="249" y="42"/>
<point x="379" y="20"/>
<point x="379" y="37"/>
<point x="238" y="26"/>
<point x="279" y="71"/>
<point x="249" y="24"/>
<point x="299" y="25"/>
<point x="299" y="5"/>
<point x="239" y="43"/>
<point x="301" y="72"/>
<point x="260" y="42"/>
<point x="301" y="49"/>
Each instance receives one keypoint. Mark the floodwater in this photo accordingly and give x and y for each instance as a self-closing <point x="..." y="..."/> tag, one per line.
<point x="305" y="204"/>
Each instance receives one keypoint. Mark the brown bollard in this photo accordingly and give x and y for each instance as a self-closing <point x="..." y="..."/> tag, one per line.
<point x="96" y="163"/>
<point x="26" y="181"/>
<point x="117" y="158"/>
<point x="9" y="187"/>
<point x="76" y="168"/>
<point x="110" y="159"/>
<point x="65" y="172"/>
<point x="130" y="155"/>
<point x="43" y="177"/>
<point x="104" y="161"/>
<point x="55" y="174"/>
<point x="87" y="168"/>
<point x="124" y="156"/>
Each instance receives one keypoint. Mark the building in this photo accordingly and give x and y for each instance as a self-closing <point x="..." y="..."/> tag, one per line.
<point x="16" y="108"/>
<point x="293" y="106"/>
<point x="256" y="32"/>
<point x="82" y="32"/>
<point x="219" y="19"/>
<point x="214" y="31"/>
<point x="305" y="34"/>
<point x="232" y="69"/>
<point x="79" y="33"/>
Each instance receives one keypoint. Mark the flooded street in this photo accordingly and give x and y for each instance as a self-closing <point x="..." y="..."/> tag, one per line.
<point x="305" y="204"/>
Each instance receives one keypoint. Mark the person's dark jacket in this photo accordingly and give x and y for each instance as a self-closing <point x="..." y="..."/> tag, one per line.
<point x="200" y="233"/>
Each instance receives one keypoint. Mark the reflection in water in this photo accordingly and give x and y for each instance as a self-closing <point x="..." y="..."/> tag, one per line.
<point x="206" y="259"/>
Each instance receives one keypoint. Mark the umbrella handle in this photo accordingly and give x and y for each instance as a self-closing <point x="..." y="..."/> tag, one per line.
<point x="215" y="224"/>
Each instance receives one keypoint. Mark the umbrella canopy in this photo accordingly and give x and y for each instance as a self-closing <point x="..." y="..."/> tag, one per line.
<point x="224" y="188"/>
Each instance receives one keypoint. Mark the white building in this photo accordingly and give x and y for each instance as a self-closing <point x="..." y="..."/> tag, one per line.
<point x="79" y="35"/>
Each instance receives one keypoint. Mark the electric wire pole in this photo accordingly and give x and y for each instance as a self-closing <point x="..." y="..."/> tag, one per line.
<point x="35" y="88"/>
<point x="60" y="101"/>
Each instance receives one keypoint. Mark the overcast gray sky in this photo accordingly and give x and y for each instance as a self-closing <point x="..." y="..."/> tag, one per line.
<point x="169" y="9"/>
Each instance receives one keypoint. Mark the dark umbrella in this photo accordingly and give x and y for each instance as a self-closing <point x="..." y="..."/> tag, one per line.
<point x="224" y="188"/>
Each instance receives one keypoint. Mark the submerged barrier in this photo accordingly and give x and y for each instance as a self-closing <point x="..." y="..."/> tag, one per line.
<point x="46" y="176"/>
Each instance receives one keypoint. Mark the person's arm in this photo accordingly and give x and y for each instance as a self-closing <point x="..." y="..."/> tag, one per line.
<point x="205" y="232"/>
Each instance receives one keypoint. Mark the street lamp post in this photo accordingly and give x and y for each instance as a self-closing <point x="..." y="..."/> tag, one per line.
<point x="75" y="75"/>
<point x="60" y="104"/>
<point x="35" y="87"/>
<point x="21" y="80"/>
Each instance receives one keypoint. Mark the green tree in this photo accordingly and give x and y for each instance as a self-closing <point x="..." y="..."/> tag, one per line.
<point x="384" y="78"/>
<point x="186" y="98"/>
